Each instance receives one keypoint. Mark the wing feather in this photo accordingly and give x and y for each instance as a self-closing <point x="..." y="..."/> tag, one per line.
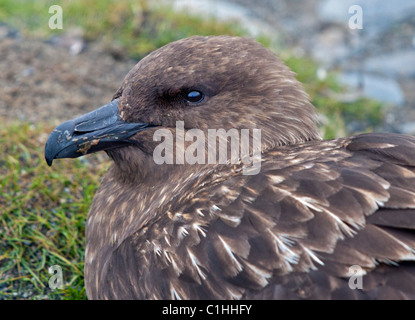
<point x="295" y="229"/>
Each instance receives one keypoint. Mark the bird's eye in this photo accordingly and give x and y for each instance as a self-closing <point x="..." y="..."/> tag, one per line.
<point x="194" y="96"/>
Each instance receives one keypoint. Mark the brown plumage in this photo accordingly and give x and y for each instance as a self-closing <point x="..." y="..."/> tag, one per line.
<point x="293" y="230"/>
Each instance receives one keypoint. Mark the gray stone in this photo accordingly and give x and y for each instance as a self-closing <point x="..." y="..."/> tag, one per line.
<point x="376" y="87"/>
<point x="408" y="128"/>
<point x="400" y="63"/>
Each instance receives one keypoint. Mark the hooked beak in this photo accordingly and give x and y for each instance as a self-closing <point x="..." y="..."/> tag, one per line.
<point x="101" y="129"/>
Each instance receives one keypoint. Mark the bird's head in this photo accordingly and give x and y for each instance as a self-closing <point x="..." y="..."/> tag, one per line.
<point x="217" y="82"/>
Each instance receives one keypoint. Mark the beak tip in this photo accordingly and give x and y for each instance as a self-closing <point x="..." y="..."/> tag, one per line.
<point x="50" y="149"/>
<point x="49" y="161"/>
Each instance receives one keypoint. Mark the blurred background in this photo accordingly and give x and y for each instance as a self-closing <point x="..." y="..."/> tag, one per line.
<point x="357" y="66"/>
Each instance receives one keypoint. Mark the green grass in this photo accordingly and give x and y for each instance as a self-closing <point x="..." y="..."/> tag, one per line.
<point x="43" y="210"/>
<point x="42" y="215"/>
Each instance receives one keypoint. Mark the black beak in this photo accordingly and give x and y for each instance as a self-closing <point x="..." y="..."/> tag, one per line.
<point x="101" y="129"/>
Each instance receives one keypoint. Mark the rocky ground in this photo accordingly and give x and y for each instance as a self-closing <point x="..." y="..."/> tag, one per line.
<point x="45" y="81"/>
